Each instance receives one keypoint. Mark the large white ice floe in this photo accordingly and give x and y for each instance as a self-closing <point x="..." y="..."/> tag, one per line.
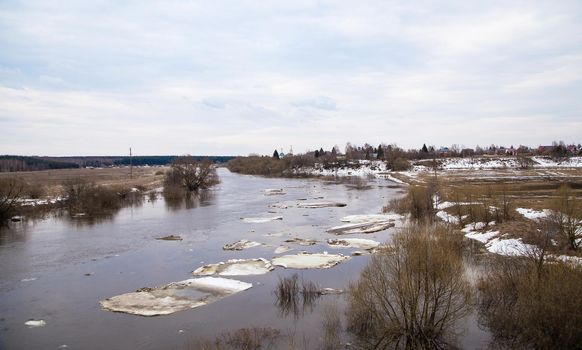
<point x="371" y="218"/>
<point x="316" y="205"/>
<point x="305" y="260"/>
<point x="240" y="245"/>
<point x="533" y="214"/>
<point x="509" y="247"/>
<point x="236" y="267"/>
<point x="361" y="227"/>
<point x="359" y="243"/>
<point x="173" y="297"/>
<point x="261" y="220"/>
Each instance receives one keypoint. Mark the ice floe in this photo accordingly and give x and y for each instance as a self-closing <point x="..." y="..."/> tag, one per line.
<point x="173" y="297"/>
<point x="282" y="249"/>
<point x="240" y="245"/>
<point x="316" y="205"/>
<point x="360" y="218"/>
<point x="170" y="238"/>
<point x="261" y="220"/>
<point x="359" y="243"/>
<point x="273" y="191"/>
<point x="235" y="267"/>
<point x="35" y="323"/>
<point x="305" y="260"/>
<point x="361" y="227"/>
<point x="302" y="241"/>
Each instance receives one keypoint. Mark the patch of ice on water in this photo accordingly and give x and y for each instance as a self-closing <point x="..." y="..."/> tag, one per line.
<point x="305" y="260"/>
<point x="261" y="220"/>
<point x="235" y="267"/>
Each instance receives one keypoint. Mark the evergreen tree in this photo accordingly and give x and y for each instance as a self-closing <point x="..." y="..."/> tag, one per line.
<point x="321" y="152"/>
<point x="276" y="154"/>
<point x="316" y="154"/>
<point x="380" y="154"/>
<point x="333" y="152"/>
<point x="424" y="149"/>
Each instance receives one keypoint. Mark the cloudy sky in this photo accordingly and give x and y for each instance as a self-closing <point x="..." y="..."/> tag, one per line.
<point x="235" y="77"/>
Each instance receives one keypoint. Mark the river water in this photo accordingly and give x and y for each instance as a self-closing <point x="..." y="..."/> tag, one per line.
<point x="58" y="269"/>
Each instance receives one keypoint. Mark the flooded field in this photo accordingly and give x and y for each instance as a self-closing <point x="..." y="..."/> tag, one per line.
<point x="59" y="269"/>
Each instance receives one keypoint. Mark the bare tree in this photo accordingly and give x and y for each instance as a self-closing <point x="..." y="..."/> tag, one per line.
<point x="191" y="174"/>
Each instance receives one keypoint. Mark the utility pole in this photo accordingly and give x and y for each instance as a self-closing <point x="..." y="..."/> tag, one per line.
<point x="130" y="165"/>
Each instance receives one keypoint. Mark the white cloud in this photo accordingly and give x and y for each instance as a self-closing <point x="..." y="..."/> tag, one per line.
<point x="245" y="76"/>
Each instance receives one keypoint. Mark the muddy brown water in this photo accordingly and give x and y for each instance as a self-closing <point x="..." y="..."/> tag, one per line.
<point x="58" y="269"/>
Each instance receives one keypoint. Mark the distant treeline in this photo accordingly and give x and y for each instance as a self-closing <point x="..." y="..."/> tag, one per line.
<point x="9" y="163"/>
<point x="21" y="163"/>
<point x="165" y="160"/>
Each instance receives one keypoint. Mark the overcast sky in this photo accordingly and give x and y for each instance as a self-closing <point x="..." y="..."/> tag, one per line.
<point x="235" y="77"/>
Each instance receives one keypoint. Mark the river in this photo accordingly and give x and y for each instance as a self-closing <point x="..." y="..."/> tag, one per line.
<point x="58" y="269"/>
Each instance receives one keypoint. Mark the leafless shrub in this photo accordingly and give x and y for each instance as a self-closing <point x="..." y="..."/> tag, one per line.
<point x="254" y="338"/>
<point x="525" y="162"/>
<point x="412" y="295"/>
<point x="11" y="191"/>
<point x="190" y="174"/>
<point x="255" y="165"/>
<point x="294" y="297"/>
<point x="399" y="164"/>
<point x="332" y="327"/>
<point x="418" y="202"/>
<point x="566" y="217"/>
<point x="86" y="197"/>
<point x="526" y="305"/>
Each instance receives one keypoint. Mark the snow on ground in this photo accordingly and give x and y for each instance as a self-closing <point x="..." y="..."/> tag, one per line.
<point x="509" y="247"/>
<point x="446" y="217"/>
<point x="482" y="237"/>
<point x="533" y="214"/>
<point x="33" y="202"/>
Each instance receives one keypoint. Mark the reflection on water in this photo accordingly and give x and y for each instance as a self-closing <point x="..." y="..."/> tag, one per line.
<point x="188" y="200"/>
<point x="293" y="297"/>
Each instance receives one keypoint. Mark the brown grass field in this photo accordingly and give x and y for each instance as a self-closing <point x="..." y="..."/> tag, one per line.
<point x="530" y="188"/>
<point x="146" y="177"/>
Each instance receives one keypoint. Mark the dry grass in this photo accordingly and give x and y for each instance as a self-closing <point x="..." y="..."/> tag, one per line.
<point x="52" y="180"/>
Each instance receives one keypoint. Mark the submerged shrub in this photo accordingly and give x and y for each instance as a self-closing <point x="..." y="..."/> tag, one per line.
<point x="528" y="307"/>
<point x="86" y="197"/>
<point x="418" y="202"/>
<point x="412" y="295"/>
